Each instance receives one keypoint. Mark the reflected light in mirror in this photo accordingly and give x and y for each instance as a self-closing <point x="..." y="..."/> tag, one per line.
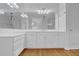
<point x="13" y="5"/>
<point x="44" y="11"/>
<point x="2" y="11"/>
<point x="24" y="15"/>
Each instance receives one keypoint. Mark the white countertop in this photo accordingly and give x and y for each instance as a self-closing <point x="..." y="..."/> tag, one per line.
<point x="10" y="32"/>
<point x="13" y="32"/>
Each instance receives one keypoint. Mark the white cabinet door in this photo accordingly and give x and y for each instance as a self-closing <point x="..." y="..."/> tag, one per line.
<point x="6" y="46"/>
<point x="31" y="38"/>
<point x="18" y="44"/>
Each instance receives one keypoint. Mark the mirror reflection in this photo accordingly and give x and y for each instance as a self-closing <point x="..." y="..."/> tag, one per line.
<point x="32" y="16"/>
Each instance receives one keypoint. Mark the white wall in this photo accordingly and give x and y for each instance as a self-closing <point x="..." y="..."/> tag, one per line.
<point x="62" y="17"/>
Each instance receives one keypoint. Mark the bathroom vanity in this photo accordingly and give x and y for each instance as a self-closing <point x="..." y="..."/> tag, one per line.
<point x="11" y="42"/>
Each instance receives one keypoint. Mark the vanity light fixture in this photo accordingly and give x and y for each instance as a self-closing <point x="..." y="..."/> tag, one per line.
<point x="13" y="5"/>
<point x="43" y="11"/>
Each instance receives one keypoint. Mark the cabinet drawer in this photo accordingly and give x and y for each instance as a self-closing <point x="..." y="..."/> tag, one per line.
<point x="18" y="38"/>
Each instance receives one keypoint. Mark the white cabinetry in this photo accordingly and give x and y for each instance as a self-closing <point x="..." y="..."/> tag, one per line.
<point x="45" y="40"/>
<point x="11" y="45"/>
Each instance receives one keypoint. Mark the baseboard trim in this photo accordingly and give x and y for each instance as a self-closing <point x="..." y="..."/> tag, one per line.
<point x="43" y="48"/>
<point x="21" y="52"/>
<point x="74" y="48"/>
<point x="71" y="48"/>
<point x="67" y="48"/>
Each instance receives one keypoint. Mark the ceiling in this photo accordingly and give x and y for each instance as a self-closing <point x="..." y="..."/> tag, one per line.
<point x="30" y="7"/>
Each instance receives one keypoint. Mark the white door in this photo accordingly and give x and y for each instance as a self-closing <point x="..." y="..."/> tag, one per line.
<point x="73" y="25"/>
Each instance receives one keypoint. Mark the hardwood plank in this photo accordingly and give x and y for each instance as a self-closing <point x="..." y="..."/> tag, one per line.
<point x="49" y="52"/>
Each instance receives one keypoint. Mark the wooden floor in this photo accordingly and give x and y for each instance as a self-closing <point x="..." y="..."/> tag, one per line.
<point x="49" y="52"/>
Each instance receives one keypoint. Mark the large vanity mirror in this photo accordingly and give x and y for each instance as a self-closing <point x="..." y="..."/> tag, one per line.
<point x="35" y="17"/>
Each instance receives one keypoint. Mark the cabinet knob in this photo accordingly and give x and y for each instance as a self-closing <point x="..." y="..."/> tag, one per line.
<point x="70" y="29"/>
